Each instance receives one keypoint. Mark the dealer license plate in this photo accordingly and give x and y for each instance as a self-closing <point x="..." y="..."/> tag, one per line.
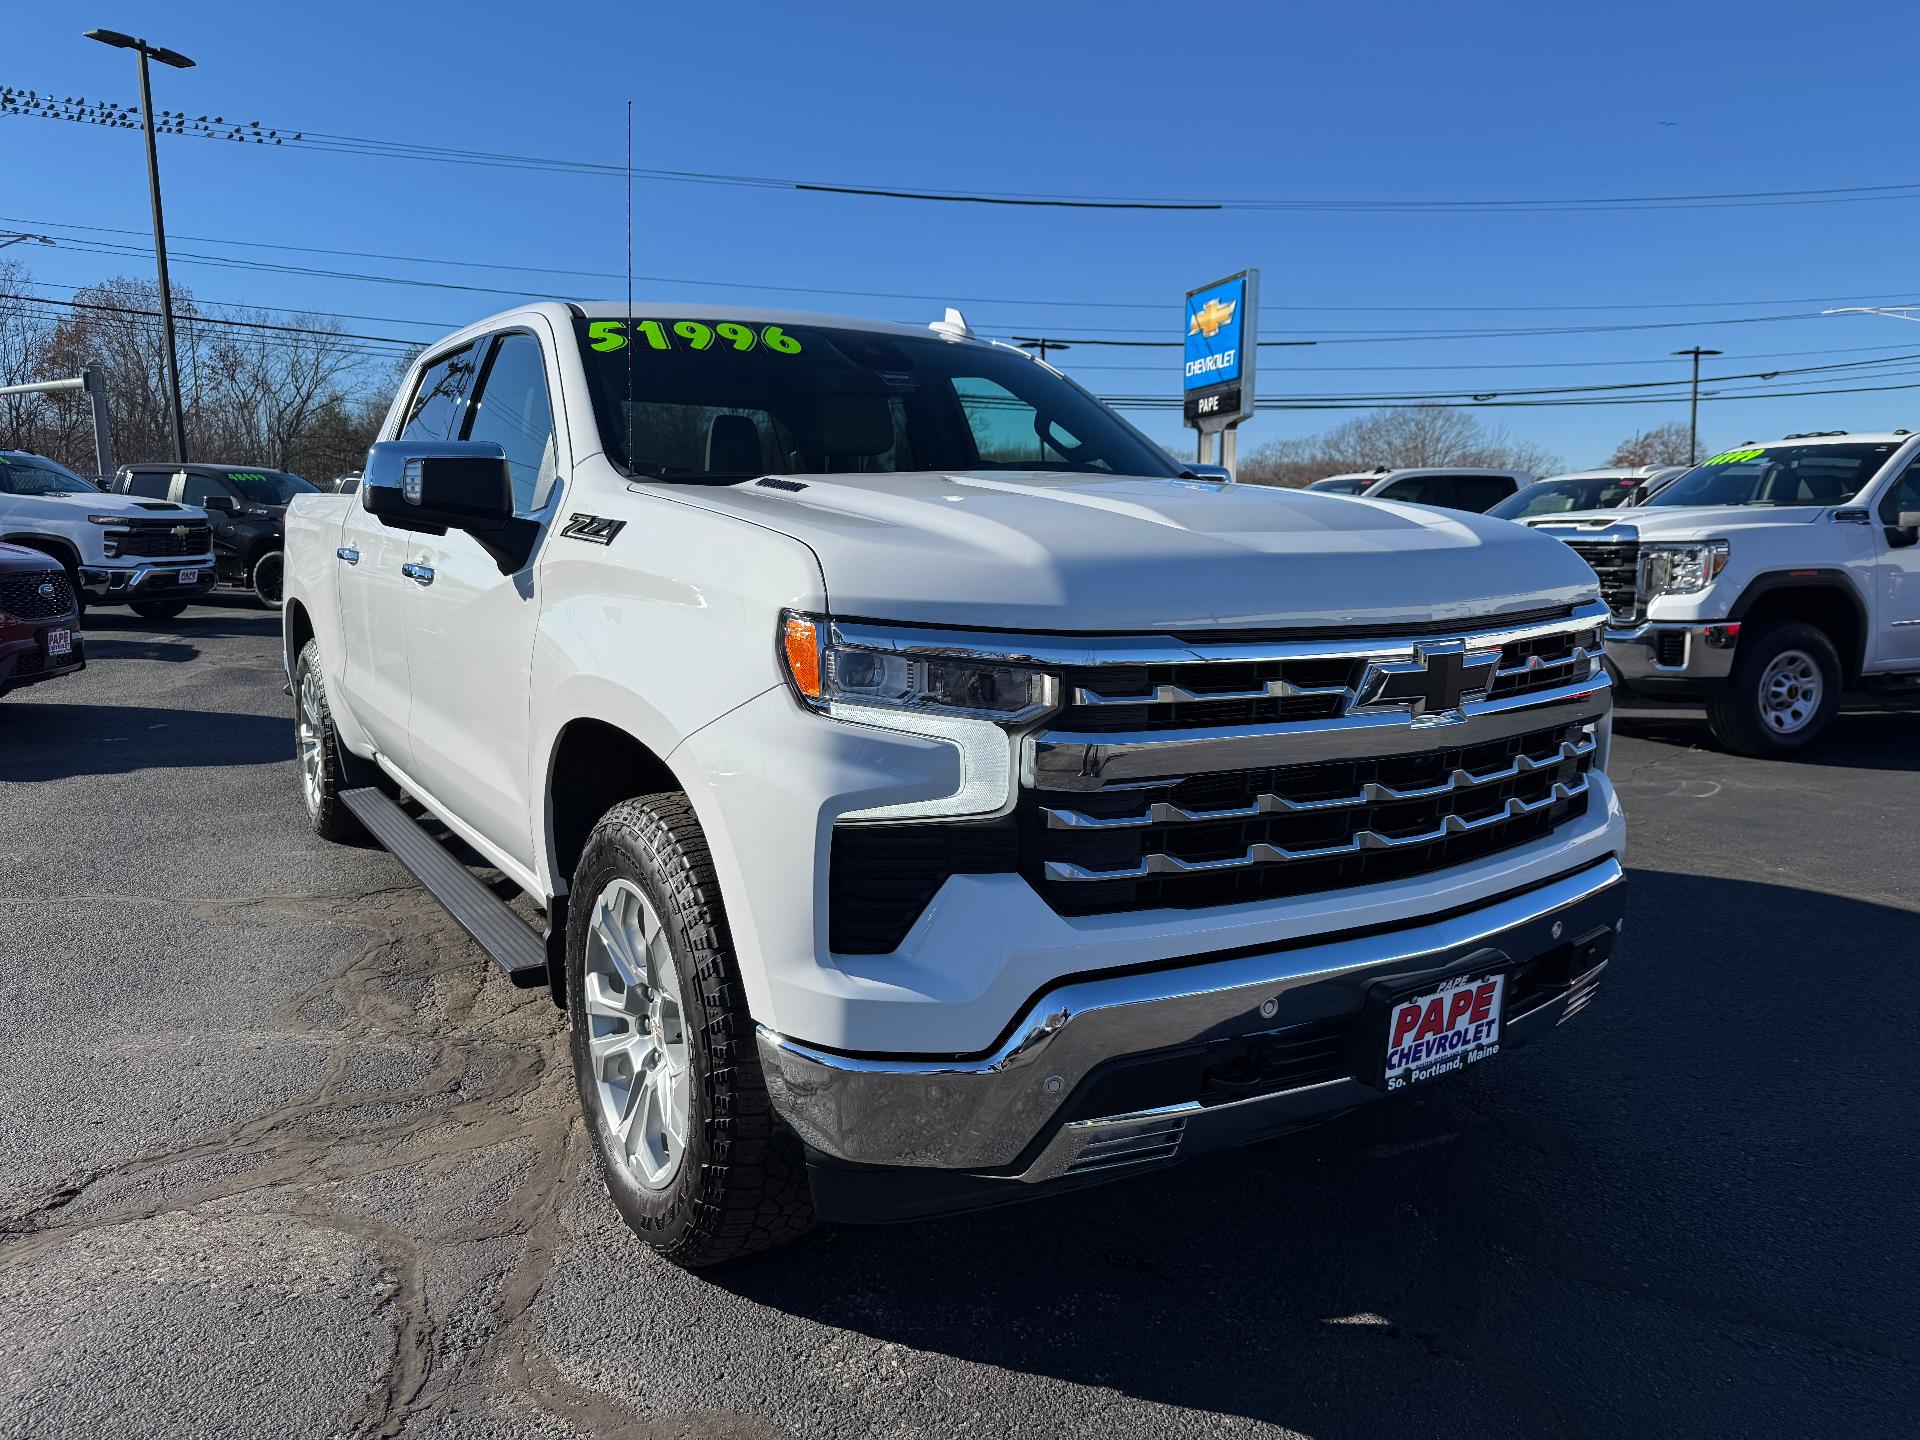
<point x="1444" y="1030"/>
<point x="189" y="577"/>
<point x="59" y="642"/>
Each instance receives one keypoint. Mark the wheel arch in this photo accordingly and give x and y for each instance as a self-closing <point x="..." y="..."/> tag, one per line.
<point x="1826" y="598"/>
<point x="296" y="629"/>
<point x="57" y="546"/>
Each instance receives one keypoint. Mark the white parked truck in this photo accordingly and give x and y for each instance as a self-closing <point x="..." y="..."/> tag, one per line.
<point x="1766" y="582"/>
<point x="152" y="555"/>
<point x="936" y="794"/>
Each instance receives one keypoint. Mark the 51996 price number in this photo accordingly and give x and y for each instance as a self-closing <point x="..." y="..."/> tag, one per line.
<point x="604" y="335"/>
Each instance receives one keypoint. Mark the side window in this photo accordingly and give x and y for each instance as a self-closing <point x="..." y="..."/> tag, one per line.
<point x="1904" y="497"/>
<point x="198" y="487"/>
<point x="1479" y="493"/>
<point x="435" y="406"/>
<point x="512" y="410"/>
<point x="148" y="484"/>
<point x="1419" y="490"/>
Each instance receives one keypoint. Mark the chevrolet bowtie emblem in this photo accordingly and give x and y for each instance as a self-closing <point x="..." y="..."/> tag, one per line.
<point x="1210" y="317"/>
<point x="1431" y="687"/>
<point x="179" y="532"/>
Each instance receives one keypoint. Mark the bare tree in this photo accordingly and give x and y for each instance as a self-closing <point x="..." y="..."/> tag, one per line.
<point x="1415" y="436"/>
<point x="1663" y="445"/>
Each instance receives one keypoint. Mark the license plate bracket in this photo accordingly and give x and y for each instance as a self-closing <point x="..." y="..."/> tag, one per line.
<point x="1436" y="1027"/>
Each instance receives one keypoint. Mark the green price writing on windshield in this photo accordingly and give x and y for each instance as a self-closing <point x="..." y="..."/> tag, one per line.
<point x="604" y="335"/>
<point x="1734" y="457"/>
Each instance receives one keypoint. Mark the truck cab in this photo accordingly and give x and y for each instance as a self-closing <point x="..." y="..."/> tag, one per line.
<point x="1766" y="582"/>
<point x="936" y="794"/>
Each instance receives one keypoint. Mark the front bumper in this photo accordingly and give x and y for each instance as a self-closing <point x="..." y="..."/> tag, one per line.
<point x="112" y="585"/>
<point x="27" y="661"/>
<point x="894" y="1138"/>
<point x="1657" y="654"/>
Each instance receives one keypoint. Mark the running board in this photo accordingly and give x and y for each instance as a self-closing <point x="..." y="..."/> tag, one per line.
<point x="514" y="945"/>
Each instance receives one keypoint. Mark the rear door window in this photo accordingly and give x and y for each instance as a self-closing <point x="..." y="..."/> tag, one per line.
<point x="1419" y="490"/>
<point x="1479" y="493"/>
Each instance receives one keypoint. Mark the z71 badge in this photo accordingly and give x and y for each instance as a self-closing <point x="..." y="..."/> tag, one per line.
<point x="594" y="529"/>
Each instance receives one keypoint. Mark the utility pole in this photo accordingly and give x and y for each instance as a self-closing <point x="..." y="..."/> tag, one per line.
<point x="178" y="62"/>
<point x="1693" y="415"/>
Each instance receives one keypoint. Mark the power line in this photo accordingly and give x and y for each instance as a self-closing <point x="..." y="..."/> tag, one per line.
<point x="30" y="103"/>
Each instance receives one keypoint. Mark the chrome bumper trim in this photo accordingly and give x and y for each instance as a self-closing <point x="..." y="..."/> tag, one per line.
<point x="980" y="1113"/>
<point x="1069" y="761"/>
<point x="1633" y="651"/>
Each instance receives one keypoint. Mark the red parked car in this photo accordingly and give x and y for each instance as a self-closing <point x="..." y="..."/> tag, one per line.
<point x="39" y="635"/>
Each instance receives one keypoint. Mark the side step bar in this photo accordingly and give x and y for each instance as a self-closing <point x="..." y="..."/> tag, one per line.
<point x="515" y="947"/>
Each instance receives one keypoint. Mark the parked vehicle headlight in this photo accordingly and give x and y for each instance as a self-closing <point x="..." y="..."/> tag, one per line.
<point x="828" y="674"/>
<point x="966" y="703"/>
<point x="1683" y="568"/>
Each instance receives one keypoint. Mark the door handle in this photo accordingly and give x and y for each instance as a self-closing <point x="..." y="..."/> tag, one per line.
<point x="348" y="554"/>
<point x="420" y="574"/>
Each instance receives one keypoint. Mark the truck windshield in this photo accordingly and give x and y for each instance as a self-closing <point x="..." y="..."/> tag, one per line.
<point x="1558" y="497"/>
<point x="268" y="487"/>
<point x="725" y="400"/>
<point x="1779" y="475"/>
<point x="39" y="477"/>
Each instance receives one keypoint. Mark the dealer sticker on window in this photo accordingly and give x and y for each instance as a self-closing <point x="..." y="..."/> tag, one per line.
<point x="1444" y="1030"/>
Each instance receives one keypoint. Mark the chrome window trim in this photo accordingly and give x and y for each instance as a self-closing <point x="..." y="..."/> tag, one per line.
<point x="1064" y="760"/>
<point x="1137" y="649"/>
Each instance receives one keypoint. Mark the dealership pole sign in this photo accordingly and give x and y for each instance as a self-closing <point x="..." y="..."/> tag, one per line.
<point x="1218" y="381"/>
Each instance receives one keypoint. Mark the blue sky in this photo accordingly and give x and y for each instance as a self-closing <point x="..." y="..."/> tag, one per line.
<point x="1381" y="102"/>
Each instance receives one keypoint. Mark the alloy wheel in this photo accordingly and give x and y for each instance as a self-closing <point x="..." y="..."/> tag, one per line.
<point x="636" y="1037"/>
<point x="310" y="737"/>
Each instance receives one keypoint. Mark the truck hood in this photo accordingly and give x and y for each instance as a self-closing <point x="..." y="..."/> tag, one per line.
<point x="1049" y="551"/>
<point x="1678" y="522"/>
<point x="94" y="502"/>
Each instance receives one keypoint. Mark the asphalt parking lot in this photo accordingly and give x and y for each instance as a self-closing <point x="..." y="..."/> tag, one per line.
<point x="281" y="1155"/>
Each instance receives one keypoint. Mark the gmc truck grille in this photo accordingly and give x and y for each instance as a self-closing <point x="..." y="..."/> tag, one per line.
<point x="159" y="542"/>
<point x="20" y="595"/>
<point x="1220" y="775"/>
<point x="1617" y="564"/>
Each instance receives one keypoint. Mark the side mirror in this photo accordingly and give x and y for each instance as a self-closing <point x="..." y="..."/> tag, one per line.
<point x="220" y="505"/>
<point x="433" y="486"/>
<point x="1906" y="530"/>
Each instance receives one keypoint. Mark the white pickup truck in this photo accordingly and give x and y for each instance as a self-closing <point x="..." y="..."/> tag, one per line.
<point x="1765" y="582"/>
<point x="936" y="794"/>
<point x="151" y="555"/>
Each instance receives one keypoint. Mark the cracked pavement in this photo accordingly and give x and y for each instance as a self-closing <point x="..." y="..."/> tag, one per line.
<point x="280" y="1155"/>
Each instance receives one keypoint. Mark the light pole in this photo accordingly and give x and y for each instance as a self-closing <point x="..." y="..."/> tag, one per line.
<point x="174" y="58"/>
<point x="1693" y="415"/>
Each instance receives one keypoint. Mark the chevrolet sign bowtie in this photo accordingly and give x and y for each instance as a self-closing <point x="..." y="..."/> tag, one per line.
<point x="1432" y="686"/>
<point x="1210" y="317"/>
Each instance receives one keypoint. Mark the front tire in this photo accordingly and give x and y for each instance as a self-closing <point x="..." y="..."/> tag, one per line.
<point x="157" y="609"/>
<point x="1783" y="691"/>
<point x="268" y="572"/>
<point x="663" y="1046"/>
<point x="316" y="749"/>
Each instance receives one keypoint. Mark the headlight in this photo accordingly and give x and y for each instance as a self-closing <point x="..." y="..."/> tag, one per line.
<point x="967" y="704"/>
<point x="106" y="519"/>
<point x="828" y="675"/>
<point x="1682" y="569"/>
